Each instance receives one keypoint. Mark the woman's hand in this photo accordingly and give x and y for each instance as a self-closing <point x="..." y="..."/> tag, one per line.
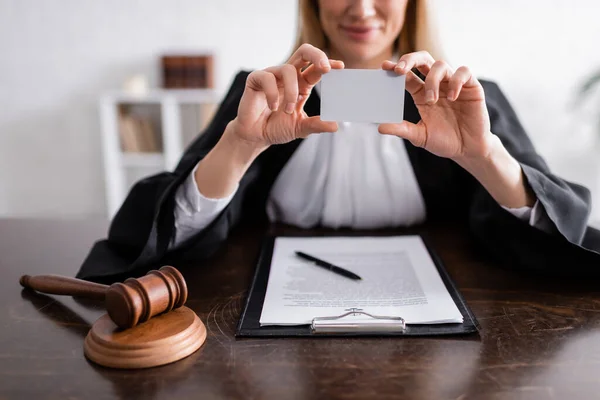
<point x="271" y="108"/>
<point x="454" y="119"/>
<point x="455" y="124"/>
<point x="270" y="112"/>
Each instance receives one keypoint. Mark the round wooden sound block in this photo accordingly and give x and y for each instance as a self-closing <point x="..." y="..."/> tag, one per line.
<point x="161" y="340"/>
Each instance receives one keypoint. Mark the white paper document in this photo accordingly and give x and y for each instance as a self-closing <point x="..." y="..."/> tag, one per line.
<point x="362" y="95"/>
<point x="399" y="279"/>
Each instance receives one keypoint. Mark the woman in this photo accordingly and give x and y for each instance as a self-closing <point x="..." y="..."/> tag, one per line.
<point x="460" y="154"/>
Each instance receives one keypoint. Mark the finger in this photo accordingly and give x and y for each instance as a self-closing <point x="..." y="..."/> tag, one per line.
<point x="310" y="77"/>
<point x="392" y="66"/>
<point x="315" y="125"/>
<point x="440" y="71"/>
<point x="462" y="77"/>
<point x="421" y="60"/>
<point x="336" y="64"/>
<point x="288" y="78"/>
<point x="415" y="133"/>
<point x="413" y="83"/>
<point x="388" y="65"/>
<point x="307" y="54"/>
<point x="263" y="81"/>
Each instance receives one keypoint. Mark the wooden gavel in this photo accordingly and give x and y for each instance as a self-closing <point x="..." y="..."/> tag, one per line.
<point x="129" y="303"/>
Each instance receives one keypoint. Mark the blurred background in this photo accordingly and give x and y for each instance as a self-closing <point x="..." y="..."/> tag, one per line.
<point x="74" y="72"/>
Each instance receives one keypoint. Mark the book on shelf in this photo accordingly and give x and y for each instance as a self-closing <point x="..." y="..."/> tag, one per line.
<point x="187" y="71"/>
<point x="137" y="135"/>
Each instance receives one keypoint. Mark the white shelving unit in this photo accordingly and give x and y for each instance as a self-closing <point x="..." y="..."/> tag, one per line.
<point x="116" y="161"/>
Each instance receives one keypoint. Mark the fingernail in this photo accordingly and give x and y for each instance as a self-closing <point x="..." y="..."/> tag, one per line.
<point x="324" y="64"/>
<point x="401" y="65"/>
<point x="300" y="97"/>
<point x="429" y="96"/>
<point x="451" y="95"/>
<point x="273" y="107"/>
<point x="289" y="108"/>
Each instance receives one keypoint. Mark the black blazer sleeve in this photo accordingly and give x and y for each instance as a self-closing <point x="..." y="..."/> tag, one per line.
<point x="570" y="249"/>
<point x="142" y="229"/>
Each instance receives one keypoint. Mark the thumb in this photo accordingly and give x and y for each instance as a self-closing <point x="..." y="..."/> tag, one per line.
<point x="415" y="133"/>
<point x="314" y="125"/>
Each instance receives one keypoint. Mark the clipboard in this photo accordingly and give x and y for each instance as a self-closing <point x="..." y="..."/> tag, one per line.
<point x="344" y="324"/>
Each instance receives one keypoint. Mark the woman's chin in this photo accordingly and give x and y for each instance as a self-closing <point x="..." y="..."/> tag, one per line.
<point x="360" y="54"/>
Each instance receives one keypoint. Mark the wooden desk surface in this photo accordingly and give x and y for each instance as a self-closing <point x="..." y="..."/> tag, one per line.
<point x="540" y="338"/>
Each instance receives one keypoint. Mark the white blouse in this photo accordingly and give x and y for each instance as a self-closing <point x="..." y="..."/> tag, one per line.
<point x="354" y="178"/>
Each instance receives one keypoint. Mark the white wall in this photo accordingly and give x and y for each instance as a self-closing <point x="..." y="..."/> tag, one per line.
<point x="540" y="52"/>
<point x="57" y="56"/>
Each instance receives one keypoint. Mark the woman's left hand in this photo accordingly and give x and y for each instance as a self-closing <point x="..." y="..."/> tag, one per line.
<point x="455" y="124"/>
<point x="454" y="119"/>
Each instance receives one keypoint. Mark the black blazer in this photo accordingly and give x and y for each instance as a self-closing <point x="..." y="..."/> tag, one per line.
<point x="140" y="233"/>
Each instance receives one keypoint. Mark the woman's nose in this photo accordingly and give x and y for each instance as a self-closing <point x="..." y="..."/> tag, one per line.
<point x="362" y="8"/>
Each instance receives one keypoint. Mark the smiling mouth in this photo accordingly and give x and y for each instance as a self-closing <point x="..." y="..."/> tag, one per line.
<point x="360" y="33"/>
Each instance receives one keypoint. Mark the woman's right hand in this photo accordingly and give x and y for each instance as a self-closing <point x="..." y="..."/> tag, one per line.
<point x="270" y="112"/>
<point x="271" y="108"/>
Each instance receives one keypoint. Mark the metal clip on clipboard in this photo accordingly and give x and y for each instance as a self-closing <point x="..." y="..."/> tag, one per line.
<point x="344" y="323"/>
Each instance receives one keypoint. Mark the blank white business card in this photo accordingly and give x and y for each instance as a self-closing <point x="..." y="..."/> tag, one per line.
<point x="362" y="95"/>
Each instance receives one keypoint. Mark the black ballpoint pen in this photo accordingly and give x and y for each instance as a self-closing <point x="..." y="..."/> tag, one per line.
<point x="329" y="266"/>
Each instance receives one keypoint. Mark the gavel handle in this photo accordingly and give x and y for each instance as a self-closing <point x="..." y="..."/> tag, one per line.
<point x="62" y="285"/>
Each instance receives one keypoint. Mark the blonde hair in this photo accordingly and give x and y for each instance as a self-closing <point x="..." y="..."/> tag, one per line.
<point x="417" y="31"/>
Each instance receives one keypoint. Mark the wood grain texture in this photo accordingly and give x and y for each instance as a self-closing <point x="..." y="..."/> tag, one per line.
<point x="128" y="303"/>
<point x="161" y="340"/>
<point x="540" y="336"/>
<point x="137" y="300"/>
<point x="64" y="286"/>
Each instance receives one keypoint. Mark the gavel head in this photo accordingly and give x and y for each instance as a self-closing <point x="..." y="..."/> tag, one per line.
<point x="137" y="300"/>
